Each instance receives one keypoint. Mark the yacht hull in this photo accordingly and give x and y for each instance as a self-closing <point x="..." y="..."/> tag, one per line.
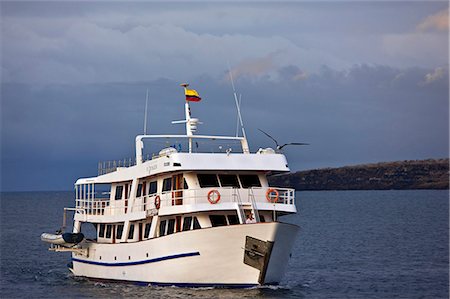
<point x="204" y="257"/>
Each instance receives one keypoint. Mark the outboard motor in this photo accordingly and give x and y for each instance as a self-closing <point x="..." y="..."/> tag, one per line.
<point x="73" y="238"/>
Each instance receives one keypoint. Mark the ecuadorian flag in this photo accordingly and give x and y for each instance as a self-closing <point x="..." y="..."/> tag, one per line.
<point x="192" y="95"/>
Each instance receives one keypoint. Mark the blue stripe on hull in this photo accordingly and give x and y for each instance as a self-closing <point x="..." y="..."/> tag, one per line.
<point x="155" y="260"/>
<point x="180" y="285"/>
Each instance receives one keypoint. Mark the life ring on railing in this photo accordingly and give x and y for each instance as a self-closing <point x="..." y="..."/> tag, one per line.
<point x="213" y="196"/>
<point x="157" y="202"/>
<point x="270" y="198"/>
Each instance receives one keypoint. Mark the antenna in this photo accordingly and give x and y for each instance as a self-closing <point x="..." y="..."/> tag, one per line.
<point x="237" y="117"/>
<point x="145" y="114"/>
<point x="237" y="103"/>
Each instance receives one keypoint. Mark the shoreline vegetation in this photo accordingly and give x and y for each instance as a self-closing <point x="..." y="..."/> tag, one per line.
<point x="399" y="175"/>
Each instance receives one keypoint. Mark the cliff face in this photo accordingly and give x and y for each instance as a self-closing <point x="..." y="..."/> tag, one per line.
<point x="423" y="174"/>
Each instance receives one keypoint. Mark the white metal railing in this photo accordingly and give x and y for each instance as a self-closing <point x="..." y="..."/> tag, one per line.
<point x="252" y="196"/>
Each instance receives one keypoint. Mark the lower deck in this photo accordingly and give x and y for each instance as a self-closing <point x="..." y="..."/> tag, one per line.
<point x="160" y="226"/>
<point x="242" y="254"/>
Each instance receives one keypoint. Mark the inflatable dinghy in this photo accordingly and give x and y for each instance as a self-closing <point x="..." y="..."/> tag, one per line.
<point x="66" y="239"/>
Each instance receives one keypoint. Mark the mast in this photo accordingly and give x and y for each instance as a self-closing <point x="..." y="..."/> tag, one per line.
<point x="145" y="114"/>
<point x="187" y="111"/>
<point x="191" y="123"/>
<point x="238" y="104"/>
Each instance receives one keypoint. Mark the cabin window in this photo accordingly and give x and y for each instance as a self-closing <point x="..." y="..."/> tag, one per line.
<point x="178" y="228"/>
<point x="171" y="226"/>
<point x="103" y="191"/>
<point x="218" y="220"/>
<point x="249" y="180"/>
<point x="233" y="219"/>
<point x="126" y="191"/>
<point x="207" y="180"/>
<point x="101" y="231"/>
<point x="229" y="180"/>
<point x="162" y="228"/>
<point x="187" y="223"/>
<point x="140" y="231"/>
<point x="139" y="190"/>
<point x="144" y="188"/>
<point x="153" y="188"/>
<point x="185" y="185"/>
<point x="131" y="232"/>
<point x="108" y="231"/>
<point x="119" y="191"/>
<point x="147" y="230"/>
<point x="167" y="184"/>
<point x="196" y="224"/>
<point x="119" y="231"/>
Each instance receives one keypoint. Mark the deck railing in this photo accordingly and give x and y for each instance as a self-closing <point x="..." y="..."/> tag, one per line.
<point x="102" y="206"/>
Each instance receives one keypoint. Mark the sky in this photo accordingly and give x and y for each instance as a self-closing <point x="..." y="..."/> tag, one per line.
<point x="361" y="82"/>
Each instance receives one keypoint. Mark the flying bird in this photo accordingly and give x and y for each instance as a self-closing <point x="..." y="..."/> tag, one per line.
<point x="279" y="147"/>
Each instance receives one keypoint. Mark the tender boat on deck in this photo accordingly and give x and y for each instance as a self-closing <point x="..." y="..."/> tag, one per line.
<point x="184" y="218"/>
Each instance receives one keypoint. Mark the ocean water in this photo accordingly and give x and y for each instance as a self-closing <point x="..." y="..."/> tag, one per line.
<point x="352" y="244"/>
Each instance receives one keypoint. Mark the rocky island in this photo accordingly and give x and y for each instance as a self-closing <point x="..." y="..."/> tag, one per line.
<point x="410" y="174"/>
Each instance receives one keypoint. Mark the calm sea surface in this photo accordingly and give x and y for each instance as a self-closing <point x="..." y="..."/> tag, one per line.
<point x="352" y="244"/>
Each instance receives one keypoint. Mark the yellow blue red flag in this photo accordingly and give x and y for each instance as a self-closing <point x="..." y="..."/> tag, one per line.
<point x="192" y="95"/>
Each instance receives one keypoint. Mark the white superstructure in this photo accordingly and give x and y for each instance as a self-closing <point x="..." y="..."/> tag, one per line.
<point x="188" y="218"/>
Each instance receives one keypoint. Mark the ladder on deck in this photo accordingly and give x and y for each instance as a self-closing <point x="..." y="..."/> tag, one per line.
<point x="239" y="208"/>
<point x="255" y="211"/>
<point x="240" y="205"/>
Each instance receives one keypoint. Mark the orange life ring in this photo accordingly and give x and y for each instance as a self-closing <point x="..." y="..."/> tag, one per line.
<point x="157" y="202"/>
<point x="211" y="197"/>
<point x="269" y="198"/>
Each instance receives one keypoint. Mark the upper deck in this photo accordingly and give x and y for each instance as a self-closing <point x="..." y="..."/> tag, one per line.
<point x="174" y="161"/>
<point x="171" y="179"/>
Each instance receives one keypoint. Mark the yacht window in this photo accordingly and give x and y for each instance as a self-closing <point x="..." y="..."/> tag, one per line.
<point x="229" y="180"/>
<point x="185" y="185"/>
<point x="171" y="226"/>
<point x="187" y="223"/>
<point x="147" y="230"/>
<point x="108" y="231"/>
<point x="233" y="219"/>
<point x="131" y="232"/>
<point x="101" y="231"/>
<point x="167" y="184"/>
<point x="196" y="224"/>
<point x="144" y="188"/>
<point x="207" y="180"/>
<point x="218" y="220"/>
<point x="139" y="191"/>
<point x="178" y="224"/>
<point x="249" y="180"/>
<point x="119" y="231"/>
<point x="126" y="191"/>
<point x="162" y="228"/>
<point x="119" y="191"/>
<point x="153" y="188"/>
<point x="140" y="231"/>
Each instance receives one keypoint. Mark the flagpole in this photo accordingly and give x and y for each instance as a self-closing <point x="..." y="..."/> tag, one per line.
<point x="187" y="111"/>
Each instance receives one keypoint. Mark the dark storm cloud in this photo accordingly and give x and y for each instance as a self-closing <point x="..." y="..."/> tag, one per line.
<point x="361" y="82"/>
<point x="366" y="113"/>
